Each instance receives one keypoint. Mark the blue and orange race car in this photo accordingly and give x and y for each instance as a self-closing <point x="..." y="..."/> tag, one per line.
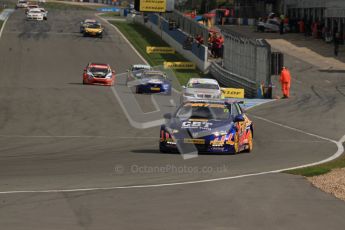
<point x="152" y="81"/>
<point x="207" y="126"/>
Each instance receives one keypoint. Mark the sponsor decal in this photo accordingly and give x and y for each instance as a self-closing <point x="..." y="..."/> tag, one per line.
<point x="194" y="141"/>
<point x="196" y="124"/>
<point x="153" y="5"/>
<point x="179" y="65"/>
<point x="232" y="93"/>
<point x="159" y="50"/>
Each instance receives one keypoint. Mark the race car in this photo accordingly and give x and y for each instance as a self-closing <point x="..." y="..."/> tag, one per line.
<point x="207" y="126"/>
<point x="22" y="4"/>
<point x="85" y="23"/>
<point x="100" y="74"/>
<point x="136" y="71"/>
<point x="152" y="81"/>
<point x="35" y="14"/>
<point x="201" y="88"/>
<point x="94" y="29"/>
<point x="30" y="6"/>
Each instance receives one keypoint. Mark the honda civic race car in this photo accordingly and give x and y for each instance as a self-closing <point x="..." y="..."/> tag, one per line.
<point x="207" y="126"/>
<point x="85" y="23"/>
<point x="94" y="29"/>
<point x="100" y="74"/>
<point x="152" y="81"/>
<point x="201" y="88"/>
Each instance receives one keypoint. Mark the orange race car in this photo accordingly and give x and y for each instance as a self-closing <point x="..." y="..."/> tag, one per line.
<point x="100" y="74"/>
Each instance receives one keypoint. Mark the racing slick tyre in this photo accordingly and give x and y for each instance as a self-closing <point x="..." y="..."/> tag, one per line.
<point x="250" y="142"/>
<point x="137" y="90"/>
<point x="163" y="149"/>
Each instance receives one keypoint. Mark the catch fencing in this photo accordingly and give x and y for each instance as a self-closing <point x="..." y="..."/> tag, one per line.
<point x="246" y="61"/>
<point x="187" y="24"/>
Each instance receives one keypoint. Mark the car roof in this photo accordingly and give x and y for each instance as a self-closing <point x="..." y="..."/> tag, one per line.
<point x="154" y="72"/>
<point x="203" y="81"/>
<point x="141" y="66"/>
<point x="216" y="101"/>
<point x="99" y="65"/>
<point x="90" y="20"/>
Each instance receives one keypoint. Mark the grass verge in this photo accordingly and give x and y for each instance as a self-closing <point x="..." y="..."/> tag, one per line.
<point x="140" y="37"/>
<point x="1" y="23"/>
<point x="110" y="15"/>
<point x="319" y="169"/>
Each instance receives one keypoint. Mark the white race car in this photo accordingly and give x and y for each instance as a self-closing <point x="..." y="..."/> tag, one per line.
<point x="201" y="88"/>
<point x="22" y="4"/>
<point x="38" y="14"/>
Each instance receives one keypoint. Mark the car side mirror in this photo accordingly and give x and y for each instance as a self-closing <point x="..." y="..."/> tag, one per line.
<point x="239" y="118"/>
<point x="168" y="116"/>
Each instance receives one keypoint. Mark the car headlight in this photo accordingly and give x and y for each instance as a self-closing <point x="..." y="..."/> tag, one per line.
<point x="221" y="133"/>
<point x="109" y="75"/>
<point x="165" y="86"/>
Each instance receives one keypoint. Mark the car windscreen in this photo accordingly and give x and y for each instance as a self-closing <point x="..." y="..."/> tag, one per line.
<point x="204" y="111"/>
<point x="197" y="85"/>
<point x="98" y="70"/>
<point x="35" y="11"/>
<point x="154" y="77"/>
<point x="94" y="26"/>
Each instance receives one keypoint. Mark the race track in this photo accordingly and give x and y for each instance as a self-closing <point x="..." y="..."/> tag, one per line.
<point x="57" y="134"/>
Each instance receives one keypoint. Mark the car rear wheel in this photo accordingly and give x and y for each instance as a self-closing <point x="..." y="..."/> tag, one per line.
<point x="163" y="148"/>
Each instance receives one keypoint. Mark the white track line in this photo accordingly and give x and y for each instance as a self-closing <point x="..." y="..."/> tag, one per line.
<point x="3" y="26"/>
<point x="334" y="156"/>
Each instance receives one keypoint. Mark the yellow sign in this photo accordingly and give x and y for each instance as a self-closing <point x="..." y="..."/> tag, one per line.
<point x="233" y="93"/>
<point x="153" y="5"/>
<point x="159" y="50"/>
<point x="179" y="65"/>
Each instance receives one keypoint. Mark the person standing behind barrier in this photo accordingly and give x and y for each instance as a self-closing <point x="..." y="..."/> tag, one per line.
<point x="285" y="80"/>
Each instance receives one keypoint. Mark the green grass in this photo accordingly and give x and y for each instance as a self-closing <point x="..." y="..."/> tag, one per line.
<point x="64" y="6"/>
<point x="140" y="37"/>
<point x="320" y="169"/>
<point x="111" y="15"/>
<point x="1" y="22"/>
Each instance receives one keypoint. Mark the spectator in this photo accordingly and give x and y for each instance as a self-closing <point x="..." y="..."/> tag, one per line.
<point x="301" y="26"/>
<point x="199" y="39"/>
<point x="281" y="26"/>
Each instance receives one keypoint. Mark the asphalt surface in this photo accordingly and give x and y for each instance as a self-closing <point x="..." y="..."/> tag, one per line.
<point x="57" y="134"/>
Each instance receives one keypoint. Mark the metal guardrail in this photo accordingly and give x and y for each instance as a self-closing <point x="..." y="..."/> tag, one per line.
<point x="227" y="78"/>
<point x="246" y="63"/>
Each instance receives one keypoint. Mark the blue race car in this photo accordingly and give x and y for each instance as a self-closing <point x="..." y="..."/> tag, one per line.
<point x="207" y="126"/>
<point x="152" y="81"/>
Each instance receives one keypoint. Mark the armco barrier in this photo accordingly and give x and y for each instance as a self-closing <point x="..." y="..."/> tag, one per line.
<point x="227" y="78"/>
<point x="175" y="38"/>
